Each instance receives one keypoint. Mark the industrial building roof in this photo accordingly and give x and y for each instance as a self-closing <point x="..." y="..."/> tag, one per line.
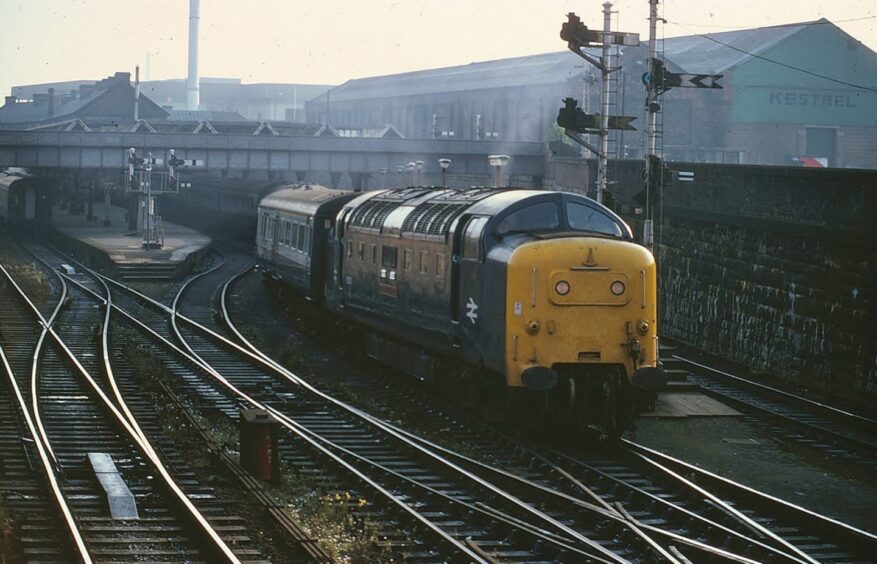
<point x="703" y="54"/>
<point x="517" y="71"/>
<point x="714" y="53"/>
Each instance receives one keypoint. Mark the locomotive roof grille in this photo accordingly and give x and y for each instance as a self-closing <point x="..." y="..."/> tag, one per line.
<point x="371" y="214"/>
<point x="441" y="222"/>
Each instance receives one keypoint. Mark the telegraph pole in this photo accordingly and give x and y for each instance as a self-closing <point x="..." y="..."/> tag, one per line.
<point x="653" y="108"/>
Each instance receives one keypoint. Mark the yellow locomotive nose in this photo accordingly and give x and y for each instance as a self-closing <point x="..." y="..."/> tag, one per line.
<point x="597" y="299"/>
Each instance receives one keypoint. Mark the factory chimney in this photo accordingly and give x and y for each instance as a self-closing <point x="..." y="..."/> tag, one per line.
<point x="192" y="97"/>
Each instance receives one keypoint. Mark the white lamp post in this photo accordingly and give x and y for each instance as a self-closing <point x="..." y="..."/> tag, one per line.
<point x="497" y="161"/>
<point x="418" y="165"/>
<point x="445" y="164"/>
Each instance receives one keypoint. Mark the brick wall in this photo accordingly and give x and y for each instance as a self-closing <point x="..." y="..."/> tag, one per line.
<point x="775" y="268"/>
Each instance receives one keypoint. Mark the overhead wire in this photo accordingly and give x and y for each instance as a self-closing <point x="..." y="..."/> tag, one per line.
<point x="802" y="24"/>
<point x="786" y="65"/>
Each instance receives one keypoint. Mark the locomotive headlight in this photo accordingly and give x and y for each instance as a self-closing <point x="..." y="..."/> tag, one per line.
<point x="562" y="287"/>
<point x="617" y="287"/>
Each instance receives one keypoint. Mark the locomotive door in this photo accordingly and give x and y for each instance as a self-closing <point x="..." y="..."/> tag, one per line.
<point x="341" y="247"/>
<point x="465" y="289"/>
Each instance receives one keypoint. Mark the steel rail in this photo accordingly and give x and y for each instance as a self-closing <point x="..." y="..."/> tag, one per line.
<point x="826" y="409"/>
<point x="34" y="369"/>
<point x="298" y="429"/>
<point x="289" y="375"/>
<point x="380" y="424"/>
<point x="607" y="507"/>
<point x="734" y="512"/>
<point x="140" y="442"/>
<point x="301" y="431"/>
<point x="828" y="415"/>
<point x="289" y="424"/>
<point x="49" y="465"/>
<point x="817" y="520"/>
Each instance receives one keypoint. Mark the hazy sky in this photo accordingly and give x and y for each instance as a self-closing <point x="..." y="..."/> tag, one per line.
<point x="330" y="41"/>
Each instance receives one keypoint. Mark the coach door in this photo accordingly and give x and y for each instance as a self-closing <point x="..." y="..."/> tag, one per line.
<point x="30" y="202"/>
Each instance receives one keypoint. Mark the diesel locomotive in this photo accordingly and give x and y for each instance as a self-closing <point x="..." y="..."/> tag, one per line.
<point x="529" y="304"/>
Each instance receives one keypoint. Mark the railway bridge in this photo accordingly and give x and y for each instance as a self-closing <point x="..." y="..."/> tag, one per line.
<point x="268" y="157"/>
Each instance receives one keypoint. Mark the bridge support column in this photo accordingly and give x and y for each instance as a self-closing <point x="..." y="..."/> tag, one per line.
<point x="300" y="175"/>
<point x="335" y="177"/>
<point x="358" y="181"/>
<point x="133" y="211"/>
<point x="89" y="216"/>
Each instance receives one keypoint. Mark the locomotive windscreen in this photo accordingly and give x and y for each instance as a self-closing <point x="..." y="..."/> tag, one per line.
<point x="586" y="218"/>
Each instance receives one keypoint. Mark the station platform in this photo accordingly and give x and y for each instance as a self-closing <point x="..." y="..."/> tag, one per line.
<point x="113" y="247"/>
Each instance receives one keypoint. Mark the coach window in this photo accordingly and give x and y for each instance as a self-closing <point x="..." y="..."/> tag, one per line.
<point x="349" y="249"/>
<point x="288" y="232"/>
<point x="361" y="251"/>
<point x="424" y="262"/>
<point x="582" y="217"/>
<point x="439" y="265"/>
<point x="406" y="259"/>
<point x="472" y="238"/>
<point x="374" y="254"/>
<point x="301" y="237"/>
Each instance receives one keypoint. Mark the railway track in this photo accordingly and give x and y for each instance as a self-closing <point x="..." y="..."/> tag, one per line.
<point x="450" y="508"/>
<point x="827" y="429"/>
<point x="629" y="515"/>
<point x="119" y="499"/>
<point x="657" y="493"/>
<point x="32" y="504"/>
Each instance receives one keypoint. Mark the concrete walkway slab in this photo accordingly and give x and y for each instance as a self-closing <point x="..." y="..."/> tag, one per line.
<point x="124" y="248"/>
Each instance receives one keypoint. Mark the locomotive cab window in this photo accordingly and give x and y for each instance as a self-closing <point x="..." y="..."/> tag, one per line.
<point x="406" y="259"/>
<point x="582" y="217"/>
<point x="424" y="262"/>
<point x="374" y="254"/>
<point x="361" y="251"/>
<point x="543" y="216"/>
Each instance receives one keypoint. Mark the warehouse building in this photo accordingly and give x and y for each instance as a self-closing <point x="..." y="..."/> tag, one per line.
<point x="802" y="93"/>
